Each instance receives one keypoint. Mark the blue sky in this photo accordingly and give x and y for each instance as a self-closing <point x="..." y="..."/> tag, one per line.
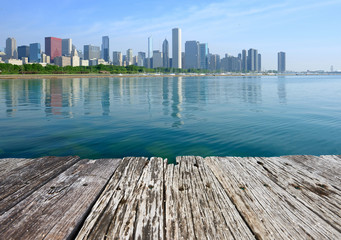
<point x="308" y="31"/>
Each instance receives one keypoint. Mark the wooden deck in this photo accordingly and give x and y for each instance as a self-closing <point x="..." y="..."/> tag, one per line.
<point x="290" y="197"/>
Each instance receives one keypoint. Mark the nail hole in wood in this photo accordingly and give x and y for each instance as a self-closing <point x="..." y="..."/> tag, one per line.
<point x="181" y="189"/>
<point x="85" y="184"/>
<point x="150" y="186"/>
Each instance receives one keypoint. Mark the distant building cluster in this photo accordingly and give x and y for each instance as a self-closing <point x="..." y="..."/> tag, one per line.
<point x="196" y="55"/>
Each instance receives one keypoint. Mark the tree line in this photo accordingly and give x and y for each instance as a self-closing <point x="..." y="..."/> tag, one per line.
<point x="36" y="68"/>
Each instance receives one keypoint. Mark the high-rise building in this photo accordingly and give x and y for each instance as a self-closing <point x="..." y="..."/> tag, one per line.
<point x="11" y="48"/>
<point x="165" y="53"/>
<point x="129" y="57"/>
<point x="66" y="47"/>
<point x="214" y="64"/>
<point x="117" y="59"/>
<point x="259" y="69"/>
<point x="91" y="52"/>
<point x="150" y="52"/>
<point x="244" y="61"/>
<point x="203" y="55"/>
<point x="252" y="60"/>
<point x="53" y="47"/>
<point x="105" y="48"/>
<point x="35" y="53"/>
<point x="157" y="59"/>
<point x="192" y="59"/>
<point x="23" y="51"/>
<point x="75" y="60"/>
<point x="176" y="48"/>
<point x="230" y="64"/>
<point x="141" y="56"/>
<point x="281" y="62"/>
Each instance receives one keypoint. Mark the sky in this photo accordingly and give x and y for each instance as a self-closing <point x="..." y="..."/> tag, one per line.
<point x="307" y="30"/>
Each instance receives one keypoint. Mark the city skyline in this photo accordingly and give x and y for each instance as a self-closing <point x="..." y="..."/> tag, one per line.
<point x="306" y="30"/>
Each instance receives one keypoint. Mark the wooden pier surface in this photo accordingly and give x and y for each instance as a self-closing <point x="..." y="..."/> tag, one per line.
<point x="289" y="197"/>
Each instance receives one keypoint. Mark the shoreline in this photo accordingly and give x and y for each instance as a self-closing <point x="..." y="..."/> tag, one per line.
<point x="101" y="75"/>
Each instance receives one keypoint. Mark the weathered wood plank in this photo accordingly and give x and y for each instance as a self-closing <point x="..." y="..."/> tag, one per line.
<point x="131" y="205"/>
<point x="24" y="177"/>
<point x="310" y="184"/>
<point x="197" y="207"/>
<point x="269" y="209"/>
<point x="57" y="209"/>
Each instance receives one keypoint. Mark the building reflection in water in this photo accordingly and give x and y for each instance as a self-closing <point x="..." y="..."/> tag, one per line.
<point x="177" y="102"/>
<point x="251" y="90"/>
<point x="169" y="96"/>
<point x="281" y="89"/>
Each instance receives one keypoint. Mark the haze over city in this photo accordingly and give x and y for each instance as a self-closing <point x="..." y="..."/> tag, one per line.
<point x="305" y="30"/>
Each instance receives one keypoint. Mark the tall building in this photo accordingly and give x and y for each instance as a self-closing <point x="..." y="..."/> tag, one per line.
<point x="150" y="52"/>
<point x="214" y="64"/>
<point x="129" y="55"/>
<point x="141" y="56"/>
<point x="157" y="59"/>
<point x="53" y="47"/>
<point x="165" y="53"/>
<point x="259" y="62"/>
<point x="252" y="60"/>
<point x="203" y="55"/>
<point x="105" y="48"/>
<point x="75" y="60"/>
<point x="35" y="53"/>
<point x="192" y="59"/>
<point x="231" y="64"/>
<point x="66" y="47"/>
<point x="117" y="59"/>
<point x="281" y="62"/>
<point x="23" y="51"/>
<point x="91" y="52"/>
<point x="176" y="48"/>
<point x="244" y="61"/>
<point x="11" y="48"/>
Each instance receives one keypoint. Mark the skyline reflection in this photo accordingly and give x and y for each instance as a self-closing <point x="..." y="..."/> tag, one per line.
<point x="68" y="98"/>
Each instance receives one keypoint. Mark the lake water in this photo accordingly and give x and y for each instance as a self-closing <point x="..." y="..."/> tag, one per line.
<point x="168" y="117"/>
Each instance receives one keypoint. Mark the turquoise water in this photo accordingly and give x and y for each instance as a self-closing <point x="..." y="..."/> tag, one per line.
<point x="168" y="117"/>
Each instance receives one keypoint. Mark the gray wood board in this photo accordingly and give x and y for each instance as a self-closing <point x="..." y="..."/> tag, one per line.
<point x="57" y="209"/>
<point x="275" y="200"/>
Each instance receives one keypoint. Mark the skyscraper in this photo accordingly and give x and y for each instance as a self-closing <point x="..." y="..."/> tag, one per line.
<point x="66" y="47"/>
<point x="150" y="52"/>
<point x="281" y="62"/>
<point x="259" y="62"/>
<point x="141" y="56"/>
<point x="35" y="53"/>
<point x="53" y="47"/>
<point x="192" y="54"/>
<point x="176" y="48"/>
<point x="91" y="52"/>
<point x="105" y="48"/>
<point x="165" y="53"/>
<point x="129" y="56"/>
<point x="11" y="48"/>
<point x="117" y="59"/>
<point x="23" y="51"/>
<point x="203" y="55"/>
<point x="157" y="59"/>
<point x="252" y="60"/>
<point x="244" y="61"/>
